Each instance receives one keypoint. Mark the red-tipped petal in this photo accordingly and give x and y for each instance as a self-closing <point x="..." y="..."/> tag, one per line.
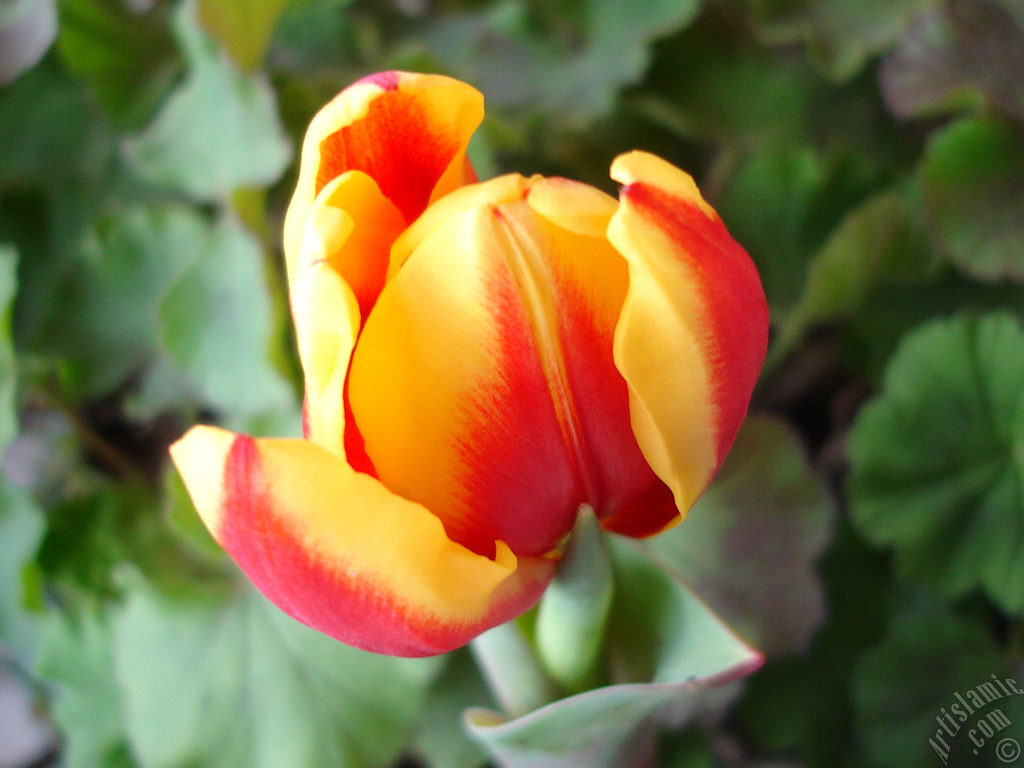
<point x="694" y="327"/>
<point x="484" y="382"/>
<point x="408" y="132"/>
<point x="339" y="552"/>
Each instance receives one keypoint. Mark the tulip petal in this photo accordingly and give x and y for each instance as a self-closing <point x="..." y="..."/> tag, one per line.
<point x="408" y="132"/>
<point x="694" y="326"/>
<point x="484" y="383"/>
<point x="339" y="552"/>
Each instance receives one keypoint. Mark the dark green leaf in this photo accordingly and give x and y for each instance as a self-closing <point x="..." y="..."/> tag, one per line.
<point x="881" y="241"/>
<point x="107" y="320"/>
<point x="781" y="206"/>
<point x="217" y="132"/>
<point x="129" y="58"/>
<point x="765" y="512"/>
<point x="936" y="458"/>
<point x="256" y="689"/>
<point x="517" y="65"/>
<point x="973" y="179"/>
<point x="913" y="693"/>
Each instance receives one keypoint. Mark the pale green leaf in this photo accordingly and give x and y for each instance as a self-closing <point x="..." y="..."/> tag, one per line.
<point x="256" y="689"/>
<point x="665" y="648"/>
<point x="216" y="325"/>
<point x="217" y="132"/>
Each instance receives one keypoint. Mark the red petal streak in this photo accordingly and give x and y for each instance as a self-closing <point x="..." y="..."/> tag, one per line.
<point x="396" y="145"/>
<point x="736" y="328"/>
<point x="330" y="597"/>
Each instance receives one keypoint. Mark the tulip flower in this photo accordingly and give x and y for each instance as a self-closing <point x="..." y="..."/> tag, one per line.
<point x="480" y="360"/>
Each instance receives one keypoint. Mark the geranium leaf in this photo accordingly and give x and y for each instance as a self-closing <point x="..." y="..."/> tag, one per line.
<point x="957" y="55"/>
<point x="216" y="324"/>
<point x="765" y="512"/>
<point x="973" y="179"/>
<point x="841" y="34"/>
<point x="218" y="131"/>
<point x="274" y="692"/>
<point x="936" y="458"/>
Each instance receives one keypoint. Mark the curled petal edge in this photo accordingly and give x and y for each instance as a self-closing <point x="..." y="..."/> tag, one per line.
<point x="693" y="332"/>
<point x="339" y="552"/>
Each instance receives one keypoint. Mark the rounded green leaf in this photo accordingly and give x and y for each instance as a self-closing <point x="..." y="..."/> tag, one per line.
<point x="240" y="685"/>
<point x="217" y="132"/>
<point x="973" y="179"/>
<point x="766" y="512"/>
<point x="937" y="458"/>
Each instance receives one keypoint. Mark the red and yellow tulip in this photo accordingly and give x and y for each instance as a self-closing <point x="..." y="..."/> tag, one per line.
<point x="480" y="360"/>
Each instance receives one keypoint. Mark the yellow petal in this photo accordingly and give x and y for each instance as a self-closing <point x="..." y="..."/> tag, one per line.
<point x="336" y="550"/>
<point x="694" y="327"/>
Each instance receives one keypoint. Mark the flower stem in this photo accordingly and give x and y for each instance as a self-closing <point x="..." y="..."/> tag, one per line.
<point x="511" y="670"/>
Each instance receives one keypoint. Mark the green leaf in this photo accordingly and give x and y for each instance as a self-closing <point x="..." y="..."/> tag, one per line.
<point x="973" y="179"/>
<point x="913" y="692"/>
<point x="956" y="56"/>
<point x="881" y="241"/>
<point x="244" y="28"/>
<point x="106" y="323"/>
<point x="658" y="633"/>
<point x="129" y="58"/>
<point x="441" y="740"/>
<point x="8" y="362"/>
<point x="765" y="512"/>
<point x="783" y="204"/>
<point x="217" y="132"/>
<point x="273" y="693"/>
<point x="77" y="657"/>
<point x="841" y="34"/>
<point x="713" y="82"/>
<point x="800" y="705"/>
<point x="519" y="63"/>
<point x="216" y="325"/>
<point x="21" y="530"/>
<point x="27" y="29"/>
<point x="936" y="458"/>
<point x="48" y="131"/>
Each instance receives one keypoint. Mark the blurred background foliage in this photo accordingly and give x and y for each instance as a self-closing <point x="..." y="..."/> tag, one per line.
<point x="867" y="533"/>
